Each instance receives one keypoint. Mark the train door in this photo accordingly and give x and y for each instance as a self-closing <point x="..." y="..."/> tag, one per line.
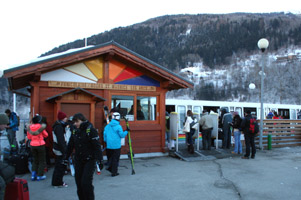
<point x="293" y="114"/>
<point x="182" y="115"/>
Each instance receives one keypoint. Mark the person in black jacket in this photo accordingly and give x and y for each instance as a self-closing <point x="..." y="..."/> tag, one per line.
<point x="88" y="153"/>
<point x="59" y="149"/>
<point x="249" y="137"/>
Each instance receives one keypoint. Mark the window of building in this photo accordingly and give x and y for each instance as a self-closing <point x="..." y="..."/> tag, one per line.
<point x="124" y="105"/>
<point x="146" y="108"/>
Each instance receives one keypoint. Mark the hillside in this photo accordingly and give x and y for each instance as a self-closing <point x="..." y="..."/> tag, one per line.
<point x="176" y="41"/>
<point x="221" y="50"/>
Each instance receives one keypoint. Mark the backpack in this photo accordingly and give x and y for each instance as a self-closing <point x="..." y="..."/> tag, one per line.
<point x="254" y="128"/>
<point x="18" y="118"/>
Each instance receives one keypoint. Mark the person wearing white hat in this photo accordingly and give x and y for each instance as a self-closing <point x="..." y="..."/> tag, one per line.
<point x="112" y="136"/>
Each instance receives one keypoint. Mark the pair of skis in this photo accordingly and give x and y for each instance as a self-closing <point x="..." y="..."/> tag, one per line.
<point x="131" y="155"/>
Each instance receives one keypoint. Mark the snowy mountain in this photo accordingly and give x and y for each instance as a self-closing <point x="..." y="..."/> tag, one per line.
<point x="231" y="82"/>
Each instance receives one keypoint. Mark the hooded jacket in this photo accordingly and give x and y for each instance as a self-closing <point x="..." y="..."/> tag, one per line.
<point x="113" y="133"/>
<point x="36" y="133"/>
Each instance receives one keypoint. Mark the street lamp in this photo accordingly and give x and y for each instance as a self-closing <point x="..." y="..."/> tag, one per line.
<point x="262" y="45"/>
<point x="252" y="86"/>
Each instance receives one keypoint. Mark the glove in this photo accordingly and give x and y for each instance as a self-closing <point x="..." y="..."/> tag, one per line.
<point x="99" y="163"/>
<point x="127" y="129"/>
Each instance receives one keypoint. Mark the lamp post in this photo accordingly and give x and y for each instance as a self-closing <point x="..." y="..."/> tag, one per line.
<point x="262" y="45"/>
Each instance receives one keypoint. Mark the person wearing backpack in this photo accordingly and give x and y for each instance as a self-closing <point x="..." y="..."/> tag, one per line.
<point x="249" y="126"/>
<point x="12" y="127"/>
<point x="85" y="141"/>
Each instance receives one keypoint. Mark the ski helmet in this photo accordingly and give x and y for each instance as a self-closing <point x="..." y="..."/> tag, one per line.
<point x="116" y="116"/>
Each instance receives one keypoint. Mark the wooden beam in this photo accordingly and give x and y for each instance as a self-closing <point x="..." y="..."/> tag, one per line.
<point x="167" y="84"/>
<point x="37" y="76"/>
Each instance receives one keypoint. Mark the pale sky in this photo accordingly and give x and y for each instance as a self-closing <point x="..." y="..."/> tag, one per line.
<point x="32" y="27"/>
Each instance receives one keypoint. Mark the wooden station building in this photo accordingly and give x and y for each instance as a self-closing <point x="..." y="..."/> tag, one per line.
<point x="85" y="80"/>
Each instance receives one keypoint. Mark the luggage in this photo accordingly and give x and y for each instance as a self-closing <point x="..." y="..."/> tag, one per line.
<point x="17" y="190"/>
<point x="7" y="172"/>
<point x="20" y="162"/>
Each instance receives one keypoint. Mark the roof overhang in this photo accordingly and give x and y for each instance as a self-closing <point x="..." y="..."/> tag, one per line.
<point x="21" y="76"/>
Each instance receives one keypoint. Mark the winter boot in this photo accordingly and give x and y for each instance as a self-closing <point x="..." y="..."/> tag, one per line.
<point x="33" y="176"/>
<point x="40" y="178"/>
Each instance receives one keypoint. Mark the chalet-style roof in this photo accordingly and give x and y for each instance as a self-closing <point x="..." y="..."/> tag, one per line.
<point x="97" y="98"/>
<point x="19" y="77"/>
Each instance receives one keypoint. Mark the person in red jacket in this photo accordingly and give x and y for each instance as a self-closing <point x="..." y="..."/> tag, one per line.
<point x="36" y="134"/>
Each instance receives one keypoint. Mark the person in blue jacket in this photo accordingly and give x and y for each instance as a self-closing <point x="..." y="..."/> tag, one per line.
<point x="12" y="127"/>
<point x="112" y="136"/>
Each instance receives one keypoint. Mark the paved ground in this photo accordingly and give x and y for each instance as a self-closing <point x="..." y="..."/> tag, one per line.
<point x="274" y="174"/>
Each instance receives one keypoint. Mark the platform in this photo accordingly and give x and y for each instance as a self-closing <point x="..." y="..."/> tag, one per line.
<point x="198" y="155"/>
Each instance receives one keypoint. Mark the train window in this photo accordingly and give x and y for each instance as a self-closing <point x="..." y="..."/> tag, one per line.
<point x="124" y="105"/>
<point x="239" y="110"/>
<point x="285" y="114"/>
<point x="197" y="109"/>
<point x="182" y="114"/>
<point x="251" y="109"/>
<point x="231" y="109"/>
<point x="189" y="107"/>
<point x="146" y="108"/>
<point x="225" y="108"/>
<point x="212" y="108"/>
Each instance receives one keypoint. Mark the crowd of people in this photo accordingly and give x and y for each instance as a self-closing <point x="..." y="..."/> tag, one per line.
<point x="76" y="138"/>
<point x="232" y="127"/>
<point x="72" y="138"/>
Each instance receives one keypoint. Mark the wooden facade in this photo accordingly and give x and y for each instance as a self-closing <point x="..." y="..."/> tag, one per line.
<point x="110" y="75"/>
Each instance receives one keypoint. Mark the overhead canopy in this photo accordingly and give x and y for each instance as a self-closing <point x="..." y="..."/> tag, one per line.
<point x="96" y="97"/>
<point x="21" y="76"/>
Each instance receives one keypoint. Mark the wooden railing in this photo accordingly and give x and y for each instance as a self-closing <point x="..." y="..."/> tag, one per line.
<point x="285" y="133"/>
